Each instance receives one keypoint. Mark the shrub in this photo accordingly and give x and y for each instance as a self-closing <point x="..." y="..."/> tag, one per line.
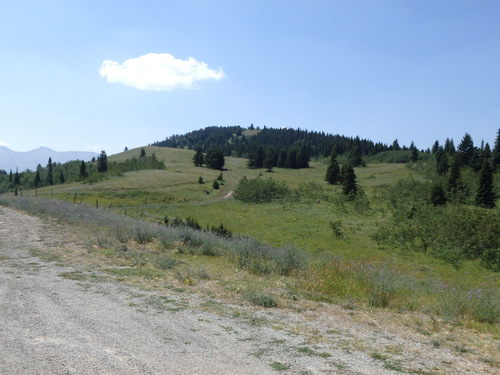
<point x="289" y="260"/>
<point x="258" y="190"/>
<point x="260" y="299"/>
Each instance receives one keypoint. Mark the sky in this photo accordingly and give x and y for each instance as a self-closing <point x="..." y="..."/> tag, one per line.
<point x="105" y="75"/>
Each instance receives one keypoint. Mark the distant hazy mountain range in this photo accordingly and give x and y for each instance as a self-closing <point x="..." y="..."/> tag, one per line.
<point x="12" y="160"/>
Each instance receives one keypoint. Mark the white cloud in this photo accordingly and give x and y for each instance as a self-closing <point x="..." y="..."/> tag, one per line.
<point x="158" y="71"/>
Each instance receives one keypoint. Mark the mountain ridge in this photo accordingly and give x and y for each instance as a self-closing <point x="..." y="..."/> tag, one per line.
<point x="23" y="160"/>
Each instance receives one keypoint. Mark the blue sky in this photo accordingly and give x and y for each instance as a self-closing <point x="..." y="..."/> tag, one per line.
<point x="102" y="75"/>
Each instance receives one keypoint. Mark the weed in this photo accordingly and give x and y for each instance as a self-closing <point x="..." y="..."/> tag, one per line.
<point x="394" y="366"/>
<point x="278" y="366"/>
<point x="378" y="356"/>
<point x="260" y="299"/>
<point x="165" y="262"/>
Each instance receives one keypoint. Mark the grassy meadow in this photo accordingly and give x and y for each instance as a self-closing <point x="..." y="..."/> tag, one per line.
<point x="339" y="259"/>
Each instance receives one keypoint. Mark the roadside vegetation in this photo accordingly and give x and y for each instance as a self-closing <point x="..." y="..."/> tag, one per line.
<point x="398" y="242"/>
<point x="365" y="226"/>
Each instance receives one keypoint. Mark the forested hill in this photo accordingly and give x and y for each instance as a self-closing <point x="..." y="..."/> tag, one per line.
<point x="240" y="142"/>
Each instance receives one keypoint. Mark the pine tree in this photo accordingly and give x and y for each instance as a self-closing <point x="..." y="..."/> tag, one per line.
<point x="62" y="180"/>
<point x="102" y="166"/>
<point x="270" y="159"/>
<point x="17" y="179"/>
<point x="496" y="152"/>
<point x="466" y="149"/>
<point x="441" y="161"/>
<point x="198" y="157"/>
<point x="83" y="170"/>
<point x="355" y="156"/>
<point x="333" y="171"/>
<point x="50" y="173"/>
<point x="449" y="147"/>
<point x="454" y="177"/>
<point x="37" y="179"/>
<point x="349" y="186"/>
<point x="215" y="159"/>
<point x="435" y="147"/>
<point x="414" y="154"/>
<point x="438" y="195"/>
<point x="485" y="195"/>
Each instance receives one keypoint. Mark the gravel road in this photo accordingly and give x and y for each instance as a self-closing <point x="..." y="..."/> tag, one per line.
<point x="63" y="318"/>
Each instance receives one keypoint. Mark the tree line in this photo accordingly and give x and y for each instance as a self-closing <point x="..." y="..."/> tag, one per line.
<point x="76" y="171"/>
<point x="270" y="148"/>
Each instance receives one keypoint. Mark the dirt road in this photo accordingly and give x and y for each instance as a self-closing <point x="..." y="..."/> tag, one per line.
<point x="57" y="318"/>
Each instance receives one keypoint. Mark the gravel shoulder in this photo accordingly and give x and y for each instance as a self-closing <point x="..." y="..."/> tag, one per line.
<point x="59" y="317"/>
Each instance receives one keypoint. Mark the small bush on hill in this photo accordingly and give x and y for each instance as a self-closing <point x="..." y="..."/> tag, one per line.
<point x="258" y="190"/>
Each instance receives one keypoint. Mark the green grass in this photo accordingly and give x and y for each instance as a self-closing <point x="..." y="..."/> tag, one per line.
<point x="403" y="280"/>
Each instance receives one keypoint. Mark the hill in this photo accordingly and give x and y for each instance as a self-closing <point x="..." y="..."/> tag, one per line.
<point x="12" y="160"/>
<point x="240" y="142"/>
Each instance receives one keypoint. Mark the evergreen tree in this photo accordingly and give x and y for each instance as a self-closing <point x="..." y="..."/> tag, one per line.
<point x="17" y="179"/>
<point x="10" y="176"/>
<point x="355" y="156"/>
<point x="62" y="180"/>
<point x="143" y="153"/>
<point x="270" y="159"/>
<point x="438" y="195"/>
<point x="449" y="147"/>
<point x="333" y="171"/>
<point x="454" y="177"/>
<point x="395" y="145"/>
<point x="441" y="161"/>
<point x="215" y="159"/>
<point x="302" y="156"/>
<point x="414" y="154"/>
<point x="215" y="184"/>
<point x="282" y="158"/>
<point x="466" y="149"/>
<point x="349" y="186"/>
<point x="102" y="165"/>
<point x="83" y="170"/>
<point x="291" y="158"/>
<point x="198" y="158"/>
<point x="496" y="152"/>
<point x="38" y="179"/>
<point x="485" y="194"/>
<point x="435" y="147"/>
<point x="50" y="173"/>
<point x="256" y="157"/>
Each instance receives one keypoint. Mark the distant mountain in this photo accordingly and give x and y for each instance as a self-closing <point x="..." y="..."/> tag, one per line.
<point x="10" y="160"/>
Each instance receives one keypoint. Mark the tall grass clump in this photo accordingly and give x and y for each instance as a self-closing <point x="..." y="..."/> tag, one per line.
<point x="333" y="278"/>
<point x="480" y="304"/>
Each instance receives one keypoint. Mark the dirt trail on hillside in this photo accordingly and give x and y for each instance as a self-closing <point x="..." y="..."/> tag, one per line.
<point x="58" y="318"/>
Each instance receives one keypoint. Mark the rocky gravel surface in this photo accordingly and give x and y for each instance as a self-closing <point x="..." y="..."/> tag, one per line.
<point x="59" y="317"/>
